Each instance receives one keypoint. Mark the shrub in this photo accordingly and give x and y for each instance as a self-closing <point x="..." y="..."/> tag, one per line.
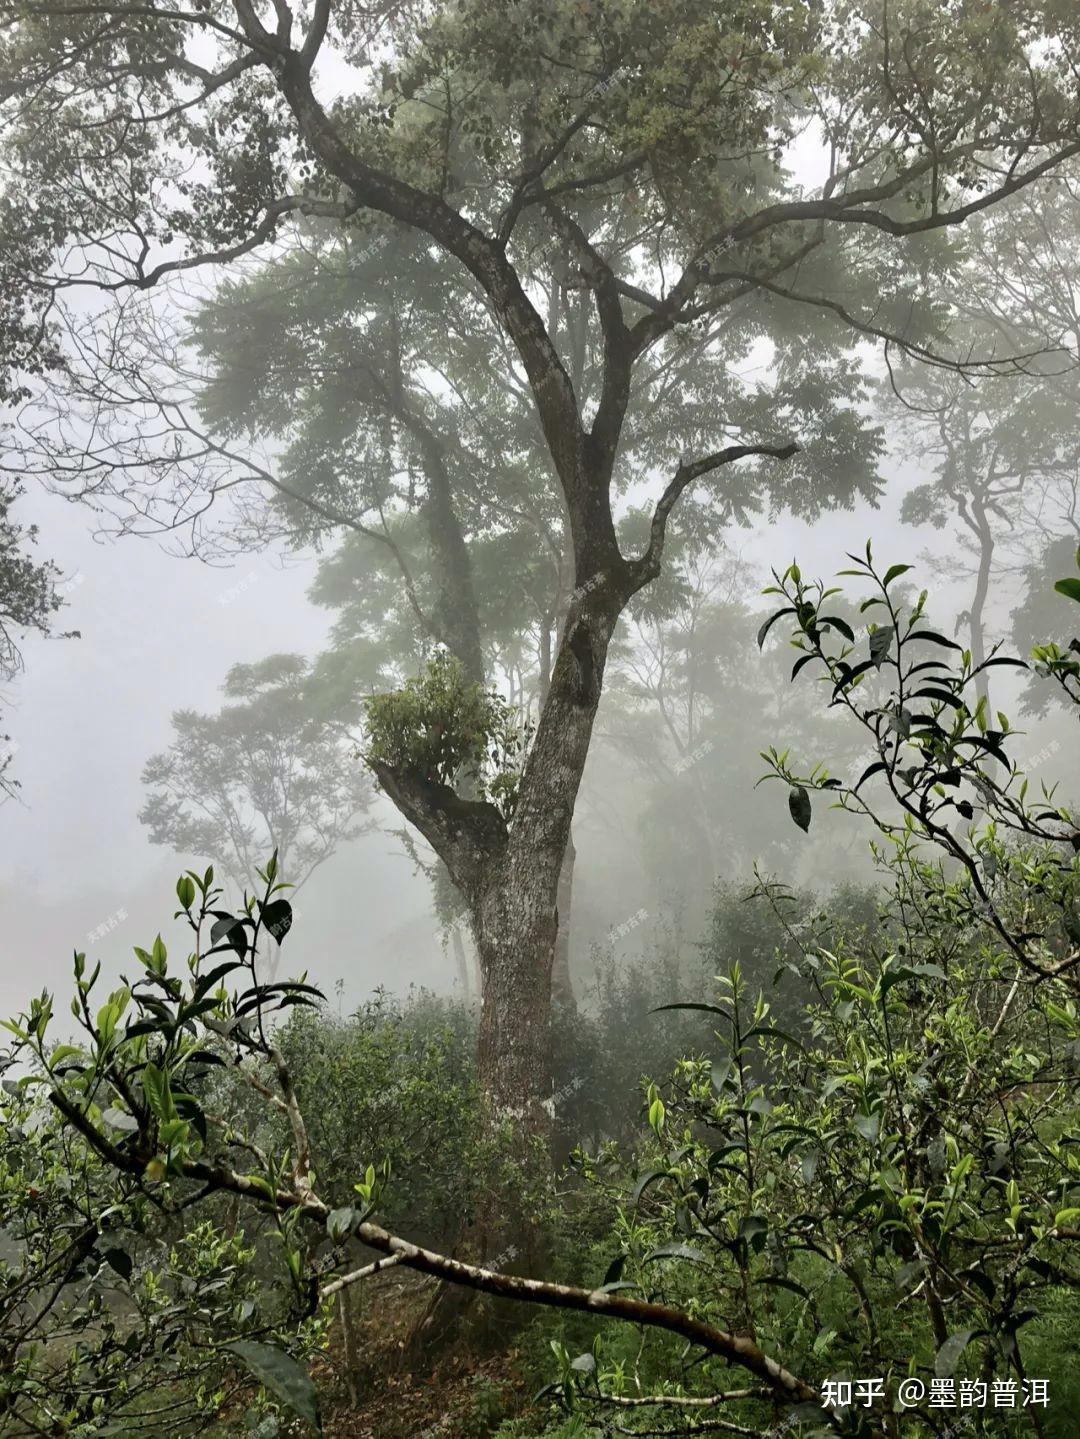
<point x="445" y="729"/>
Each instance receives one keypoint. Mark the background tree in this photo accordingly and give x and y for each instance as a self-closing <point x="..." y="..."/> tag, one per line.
<point x="273" y="771"/>
<point x="30" y="595"/>
<point x="1004" y="451"/>
<point x="688" y="702"/>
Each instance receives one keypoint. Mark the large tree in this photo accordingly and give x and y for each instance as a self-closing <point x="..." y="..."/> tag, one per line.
<point x="655" y="143"/>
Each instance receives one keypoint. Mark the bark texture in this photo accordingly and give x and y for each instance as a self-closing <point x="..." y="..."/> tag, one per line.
<point x="562" y="984"/>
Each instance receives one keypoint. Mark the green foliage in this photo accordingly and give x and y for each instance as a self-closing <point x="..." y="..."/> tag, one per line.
<point x="279" y="1372"/>
<point x="163" y="1103"/>
<point x="445" y="729"/>
<point x="108" y="1311"/>
<point x="890" y="1184"/>
<point x="409" y="1073"/>
<point x="103" y="1142"/>
<point x="948" y="801"/>
<point x="902" y="1171"/>
<point x="626" y="1026"/>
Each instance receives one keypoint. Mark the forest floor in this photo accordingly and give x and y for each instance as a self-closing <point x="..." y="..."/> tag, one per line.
<point x="460" y="1394"/>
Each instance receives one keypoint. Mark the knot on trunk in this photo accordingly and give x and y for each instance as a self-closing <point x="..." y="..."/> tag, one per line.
<point x="586" y="672"/>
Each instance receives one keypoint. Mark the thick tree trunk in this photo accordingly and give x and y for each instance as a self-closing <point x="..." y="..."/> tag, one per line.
<point x="515" y="915"/>
<point x="509" y="873"/>
<point x="516" y="925"/>
<point x="460" y="959"/>
<point x="516" y="943"/>
<point x="562" y="987"/>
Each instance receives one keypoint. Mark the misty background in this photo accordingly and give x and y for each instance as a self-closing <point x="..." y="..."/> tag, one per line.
<point x="159" y="632"/>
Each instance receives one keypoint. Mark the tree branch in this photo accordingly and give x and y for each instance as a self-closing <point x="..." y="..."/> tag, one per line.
<point x="647" y="566"/>
<point x="466" y="834"/>
<point x="734" y="1348"/>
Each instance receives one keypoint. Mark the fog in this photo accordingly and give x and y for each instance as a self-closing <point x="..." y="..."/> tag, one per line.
<point x="158" y="632"/>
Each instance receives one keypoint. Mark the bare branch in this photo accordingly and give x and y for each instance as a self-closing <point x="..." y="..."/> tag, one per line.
<point x="375" y="1267"/>
<point x="647" y="566"/>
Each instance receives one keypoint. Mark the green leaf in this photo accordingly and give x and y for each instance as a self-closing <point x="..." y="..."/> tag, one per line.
<point x="838" y="624"/>
<point x="753" y="1227"/>
<point x="677" y="1251"/>
<point x="934" y="638"/>
<point x="65" y="1051"/>
<point x="868" y="1125"/>
<point x="105" y="1023"/>
<point x="340" y="1221"/>
<point x="948" y="1356"/>
<point x="282" y="1375"/>
<point x="158" y="1092"/>
<point x="778" y="1281"/>
<point x="892" y="573"/>
<point x="1070" y="588"/>
<point x="613" y="1273"/>
<point x="799" y="806"/>
<point x="230" y="930"/>
<point x="277" y="918"/>
<point x="260" y="1185"/>
<point x="909" y="971"/>
<point x="690" y="1004"/>
<point x="644" y="1182"/>
<point x="767" y="626"/>
<point x="119" y="1260"/>
<point x="657" y="1113"/>
<point x="880" y="641"/>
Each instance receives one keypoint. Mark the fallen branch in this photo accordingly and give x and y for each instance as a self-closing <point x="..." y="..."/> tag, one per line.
<point x="735" y="1348"/>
